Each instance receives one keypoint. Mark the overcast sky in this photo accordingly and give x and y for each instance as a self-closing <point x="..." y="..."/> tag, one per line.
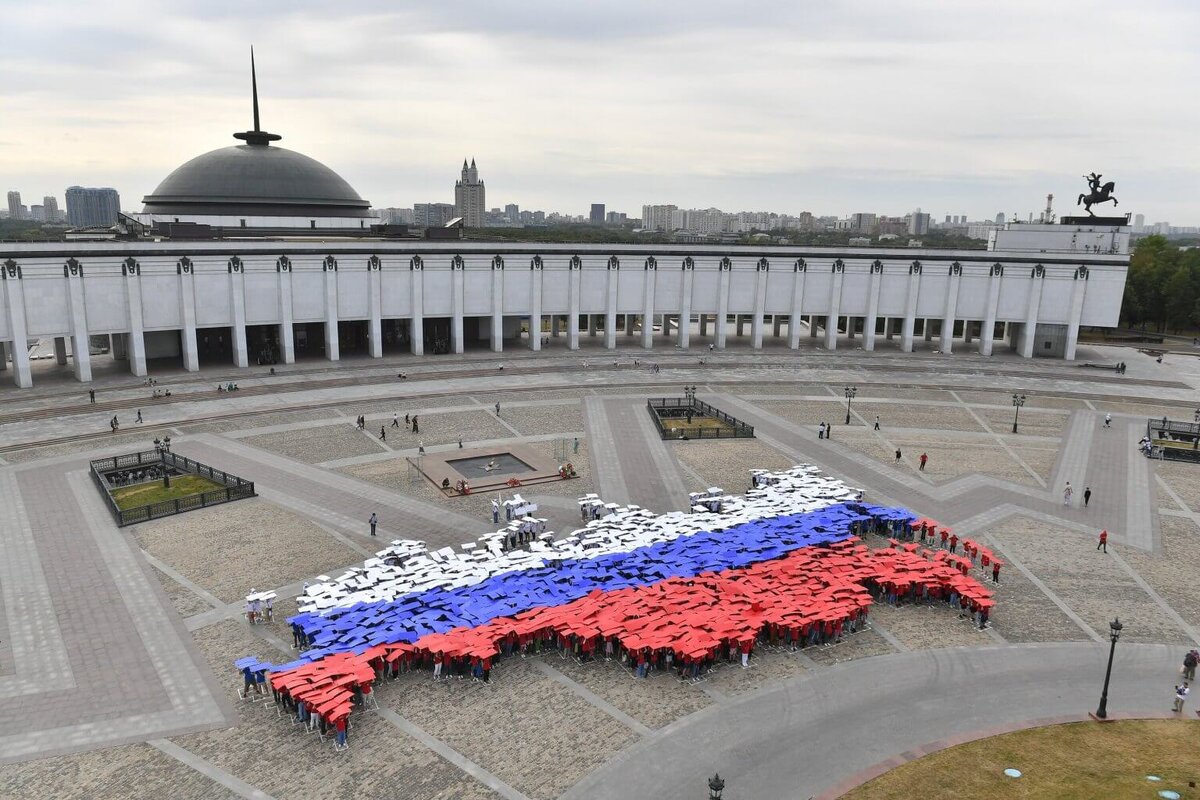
<point x="831" y="107"/>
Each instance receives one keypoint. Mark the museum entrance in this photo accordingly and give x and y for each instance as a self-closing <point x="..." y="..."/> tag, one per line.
<point x="214" y="346"/>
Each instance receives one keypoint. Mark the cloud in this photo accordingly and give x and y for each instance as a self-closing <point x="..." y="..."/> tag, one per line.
<point x="822" y="106"/>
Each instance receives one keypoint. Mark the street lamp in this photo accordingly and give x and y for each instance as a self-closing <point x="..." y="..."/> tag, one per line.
<point x="1114" y="628"/>
<point x="850" y="392"/>
<point x="715" y="787"/>
<point x="1018" y="401"/>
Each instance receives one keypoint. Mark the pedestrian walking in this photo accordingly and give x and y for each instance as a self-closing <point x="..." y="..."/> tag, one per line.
<point x="495" y="511"/>
<point x="1189" y="665"/>
<point x="497" y="408"/>
<point x="115" y="423"/>
<point x="923" y="459"/>
<point x="1067" y="493"/>
<point x="415" y="428"/>
<point x="898" y="454"/>
<point x="382" y="434"/>
<point x="1103" y="545"/>
<point x="395" y="419"/>
<point x="876" y="422"/>
<point x="1181" y="693"/>
<point x="92" y="396"/>
<point x="373" y="521"/>
<point x="460" y="443"/>
<point x="139" y="417"/>
<point x="421" y="448"/>
<point x="821" y="431"/>
<point x="575" y="446"/>
<point x="1108" y="420"/>
<point x="407" y="421"/>
<point x="1087" y="495"/>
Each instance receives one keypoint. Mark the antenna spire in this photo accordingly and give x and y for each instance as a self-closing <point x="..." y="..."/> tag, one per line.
<point x="257" y="136"/>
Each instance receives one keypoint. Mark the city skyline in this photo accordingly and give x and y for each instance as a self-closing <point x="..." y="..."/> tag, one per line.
<point x="887" y="108"/>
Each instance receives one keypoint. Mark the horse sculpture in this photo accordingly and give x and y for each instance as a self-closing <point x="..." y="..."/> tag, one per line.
<point x="1101" y="193"/>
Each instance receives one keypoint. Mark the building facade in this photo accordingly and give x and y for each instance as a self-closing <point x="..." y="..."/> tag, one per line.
<point x="87" y="207"/>
<point x="470" y="202"/>
<point x="596" y="216"/>
<point x="238" y="301"/>
<point x="15" y="209"/>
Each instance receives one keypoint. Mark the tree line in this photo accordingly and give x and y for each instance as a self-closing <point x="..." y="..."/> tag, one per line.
<point x="1163" y="286"/>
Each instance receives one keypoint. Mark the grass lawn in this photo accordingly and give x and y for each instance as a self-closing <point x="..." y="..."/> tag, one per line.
<point x="145" y="494"/>
<point x="675" y="423"/>
<point x="1079" y="761"/>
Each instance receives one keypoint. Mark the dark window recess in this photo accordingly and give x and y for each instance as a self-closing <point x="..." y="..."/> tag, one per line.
<point x="312" y="223"/>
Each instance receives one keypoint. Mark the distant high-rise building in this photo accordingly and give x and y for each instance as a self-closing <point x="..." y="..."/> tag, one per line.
<point x="1139" y="222"/>
<point x="92" y="206"/>
<point x="657" y="218"/>
<point x="862" y="223"/>
<point x="434" y="215"/>
<point x="513" y="212"/>
<point x="37" y="213"/>
<point x="1000" y="218"/>
<point x="918" y="223"/>
<point x="597" y="215"/>
<point x="14" y="206"/>
<point x="615" y="218"/>
<point x="395" y="216"/>
<point x="469" y="201"/>
<point x="50" y="204"/>
<point x="947" y="219"/>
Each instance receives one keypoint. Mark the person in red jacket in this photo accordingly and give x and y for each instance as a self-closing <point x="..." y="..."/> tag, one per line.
<point x="953" y="542"/>
<point x="1103" y="541"/>
<point x="945" y="535"/>
<point x="995" y="572"/>
<point x="924" y="458"/>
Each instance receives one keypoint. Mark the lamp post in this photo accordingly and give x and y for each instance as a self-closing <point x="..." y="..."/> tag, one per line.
<point x="1114" y="628"/>
<point x="1018" y="401"/>
<point x="715" y="787"/>
<point x="850" y="392"/>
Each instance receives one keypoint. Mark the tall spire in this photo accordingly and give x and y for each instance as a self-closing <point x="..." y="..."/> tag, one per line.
<point x="257" y="136"/>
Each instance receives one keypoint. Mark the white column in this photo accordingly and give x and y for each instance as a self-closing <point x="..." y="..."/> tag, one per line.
<point x="375" y="308"/>
<point x="760" y="306"/>
<point x="721" y="323"/>
<point x="968" y="327"/>
<point x="835" y="302"/>
<point x="1033" y="306"/>
<point x="573" y="276"/>
<point x="651" y="273"/>
<point x="416" y="293"/>
<point x="987" y="331"/>
<point x="593" y="324"/>
<point x="60" y="350"/>
<point x="187" y="315"/>
<point x="872" y="307"/>
<point x="610" y="306"/>
<point x="497" y="337"/>
<point x="332" y="351"/>
<point x="950" y="310"/>
<point x="554" y="324"/>
<point x="457" y="293"/>
<point x="287" y="331"/>
<point x="14" y="297"/>
<point x="3" y="356"/>
<point x="887" y="328"/>
<point x="910" y="309"/>
<point x="776" y="325"/>
<point x="630" y="324"/>
<point x="1078" y="290"/>
<point x="799" y="272"/>
<point x="535" y="308"/>
<point x="81" y="349"/>
<point x="135" y="340"/>
<point x="685" y="308"/>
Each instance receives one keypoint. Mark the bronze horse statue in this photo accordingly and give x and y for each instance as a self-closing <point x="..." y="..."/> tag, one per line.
<point x="1101" y="193"/>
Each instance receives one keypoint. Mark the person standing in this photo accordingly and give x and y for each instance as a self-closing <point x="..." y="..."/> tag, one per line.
<point x="92" y="396"/>
<point x="373" y="521"/>
<point x="995" y="572"/>
<point x="1087" y="495"/>
<point x="495" y="511"/>
<point x="575" y="446"/>
<point x="1108" y="420"/>
<point x="407" y="421"/>
<point x="898" y="455"/>
<point x="1067" y="492"/>
<point x="876" y="422"/>
<point x="420" y="445"/>
<point x="821" y="431"/>
<point x="1181" y="693"/>
<point x="1189" y="665"/>
<point x="497" y="408"/>
<point x="953" y="542"/>
<point x="415" y="429"/>
<point x="828" y="431"/>
<point x="1103" y="545"/>
<point x="395" y="419"/>
<point x="924" y="459"/>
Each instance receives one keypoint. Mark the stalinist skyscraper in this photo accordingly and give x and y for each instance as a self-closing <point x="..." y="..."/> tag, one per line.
<point x="468" y="196"/>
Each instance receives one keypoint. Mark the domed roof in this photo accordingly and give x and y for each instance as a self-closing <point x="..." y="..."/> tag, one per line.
<point x="256" y="179"/>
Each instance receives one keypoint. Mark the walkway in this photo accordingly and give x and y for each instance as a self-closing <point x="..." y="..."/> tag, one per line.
<point x="803" y="738"/>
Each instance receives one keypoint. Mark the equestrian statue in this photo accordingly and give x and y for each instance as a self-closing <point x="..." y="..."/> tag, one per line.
<point x="1101" y="193"/>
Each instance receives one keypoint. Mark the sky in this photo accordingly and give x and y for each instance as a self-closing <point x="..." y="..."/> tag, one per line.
<point x="826" y="106"/>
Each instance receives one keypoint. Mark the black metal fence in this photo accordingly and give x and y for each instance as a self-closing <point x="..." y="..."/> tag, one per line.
<point x="1174" y="440"/>
<point x="732" y="428"/>
<point x="233" y="487"/>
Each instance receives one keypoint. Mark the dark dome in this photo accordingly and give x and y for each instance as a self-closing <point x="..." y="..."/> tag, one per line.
<point x="256" y="180"/>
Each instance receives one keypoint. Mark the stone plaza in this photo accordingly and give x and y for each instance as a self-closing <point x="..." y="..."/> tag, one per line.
<point x="117" y="645"/>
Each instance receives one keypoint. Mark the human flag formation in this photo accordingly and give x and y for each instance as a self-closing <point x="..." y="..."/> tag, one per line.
<point x="784" y="556"/>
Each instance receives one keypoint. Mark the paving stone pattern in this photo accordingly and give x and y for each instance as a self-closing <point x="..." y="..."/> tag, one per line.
<point x="655" y="701"/>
